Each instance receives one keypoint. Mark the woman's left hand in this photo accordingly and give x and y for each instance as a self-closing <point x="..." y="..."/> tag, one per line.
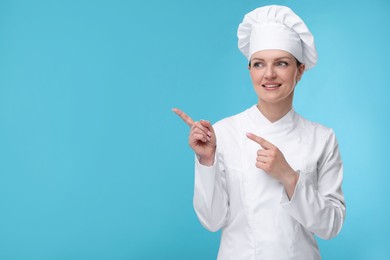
<point x="271" y="160"/>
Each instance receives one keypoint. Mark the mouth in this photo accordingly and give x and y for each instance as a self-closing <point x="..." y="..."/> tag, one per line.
<point x="271" y="86"/>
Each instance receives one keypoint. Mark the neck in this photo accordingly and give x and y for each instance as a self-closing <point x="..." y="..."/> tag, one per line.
<point x="274" y="112"/>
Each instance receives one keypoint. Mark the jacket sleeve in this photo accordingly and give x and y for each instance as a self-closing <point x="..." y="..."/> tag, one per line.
<point x="211" y="202"/>
<point x="318" y="201"/>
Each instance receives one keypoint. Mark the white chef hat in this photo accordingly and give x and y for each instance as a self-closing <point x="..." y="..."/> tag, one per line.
<point x="276" y="27"/>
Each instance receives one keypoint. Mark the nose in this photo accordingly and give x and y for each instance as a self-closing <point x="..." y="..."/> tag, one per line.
<point x="270" y="72"/>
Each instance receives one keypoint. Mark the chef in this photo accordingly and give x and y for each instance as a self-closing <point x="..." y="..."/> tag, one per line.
<point x="267" y="177"/>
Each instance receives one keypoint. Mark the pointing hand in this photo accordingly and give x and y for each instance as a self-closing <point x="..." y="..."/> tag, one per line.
<point x="201" y="139"/>
<point x="271" y="160"/>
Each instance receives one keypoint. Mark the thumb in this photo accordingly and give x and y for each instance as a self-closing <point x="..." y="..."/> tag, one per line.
<point x="261" y="141"/>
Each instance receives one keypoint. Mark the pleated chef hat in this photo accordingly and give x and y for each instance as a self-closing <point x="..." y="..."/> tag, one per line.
<point x="277" y="28"/>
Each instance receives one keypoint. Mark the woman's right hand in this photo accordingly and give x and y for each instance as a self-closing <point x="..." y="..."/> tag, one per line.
<point x="201" y="139"/>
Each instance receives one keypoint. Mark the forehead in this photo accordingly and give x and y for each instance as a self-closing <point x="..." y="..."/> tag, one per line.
<point x="271" y="55"/>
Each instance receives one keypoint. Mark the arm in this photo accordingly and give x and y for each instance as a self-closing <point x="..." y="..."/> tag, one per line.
<point x="318" y="203"/>
<point x="210" y="197"/>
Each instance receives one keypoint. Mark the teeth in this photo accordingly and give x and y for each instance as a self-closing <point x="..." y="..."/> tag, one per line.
<point x="271" y="86"/>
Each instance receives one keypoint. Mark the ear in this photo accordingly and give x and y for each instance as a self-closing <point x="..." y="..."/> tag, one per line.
<point x="301" y="70"/>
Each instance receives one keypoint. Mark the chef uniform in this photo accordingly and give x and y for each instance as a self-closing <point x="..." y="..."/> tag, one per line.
<point x="257" y="218"/>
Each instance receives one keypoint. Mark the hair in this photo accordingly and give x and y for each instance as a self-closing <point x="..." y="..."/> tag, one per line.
<point x="298" y="63"/>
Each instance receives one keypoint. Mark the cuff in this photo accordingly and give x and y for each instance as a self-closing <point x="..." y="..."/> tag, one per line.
<point x="203" y="168"/>
<point x="285" y="201"/>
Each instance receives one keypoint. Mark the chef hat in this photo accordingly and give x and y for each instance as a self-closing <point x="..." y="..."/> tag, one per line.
<point x="279" y="28"/>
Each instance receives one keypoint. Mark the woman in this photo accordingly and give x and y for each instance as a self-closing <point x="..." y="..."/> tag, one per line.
<point x="268" y="177"/>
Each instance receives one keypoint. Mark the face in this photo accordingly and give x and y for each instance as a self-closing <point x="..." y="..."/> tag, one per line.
<point x="274" y="75"/>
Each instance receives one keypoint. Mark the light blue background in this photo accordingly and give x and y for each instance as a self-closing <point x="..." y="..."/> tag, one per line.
<point x="94" y="165"/>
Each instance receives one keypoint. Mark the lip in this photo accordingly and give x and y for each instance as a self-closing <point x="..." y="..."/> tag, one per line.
<point x="271" y="85"/>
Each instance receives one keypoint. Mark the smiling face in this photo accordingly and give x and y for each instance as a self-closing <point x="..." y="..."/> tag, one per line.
<point x="274" y="74"/>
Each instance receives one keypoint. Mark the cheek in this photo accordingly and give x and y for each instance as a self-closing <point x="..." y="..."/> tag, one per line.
<point x="251" y="73"/>
<point x="290" y="77"/>
<point x="255" y="76"/>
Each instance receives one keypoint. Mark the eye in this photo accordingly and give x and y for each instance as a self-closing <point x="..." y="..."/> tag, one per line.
<point x="282" y="64"/>
<point x="258" y="64"/>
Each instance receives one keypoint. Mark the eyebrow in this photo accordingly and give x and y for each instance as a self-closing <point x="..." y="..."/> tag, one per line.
<point x="279" y="58"/>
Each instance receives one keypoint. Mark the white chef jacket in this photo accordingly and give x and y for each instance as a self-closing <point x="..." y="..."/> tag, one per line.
<point x="257" y="218"/>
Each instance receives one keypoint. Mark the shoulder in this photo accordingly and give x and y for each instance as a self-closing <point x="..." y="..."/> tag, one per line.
<point x="231" y="123"/>
<point x="230" y="132"/>
<point x="315" y="129"/>
<point x="319" y="140"/>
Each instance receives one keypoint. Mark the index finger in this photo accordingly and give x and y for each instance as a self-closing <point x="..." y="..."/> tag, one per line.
<point x="261" y="141"/>
<point x="186" y="118"/>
